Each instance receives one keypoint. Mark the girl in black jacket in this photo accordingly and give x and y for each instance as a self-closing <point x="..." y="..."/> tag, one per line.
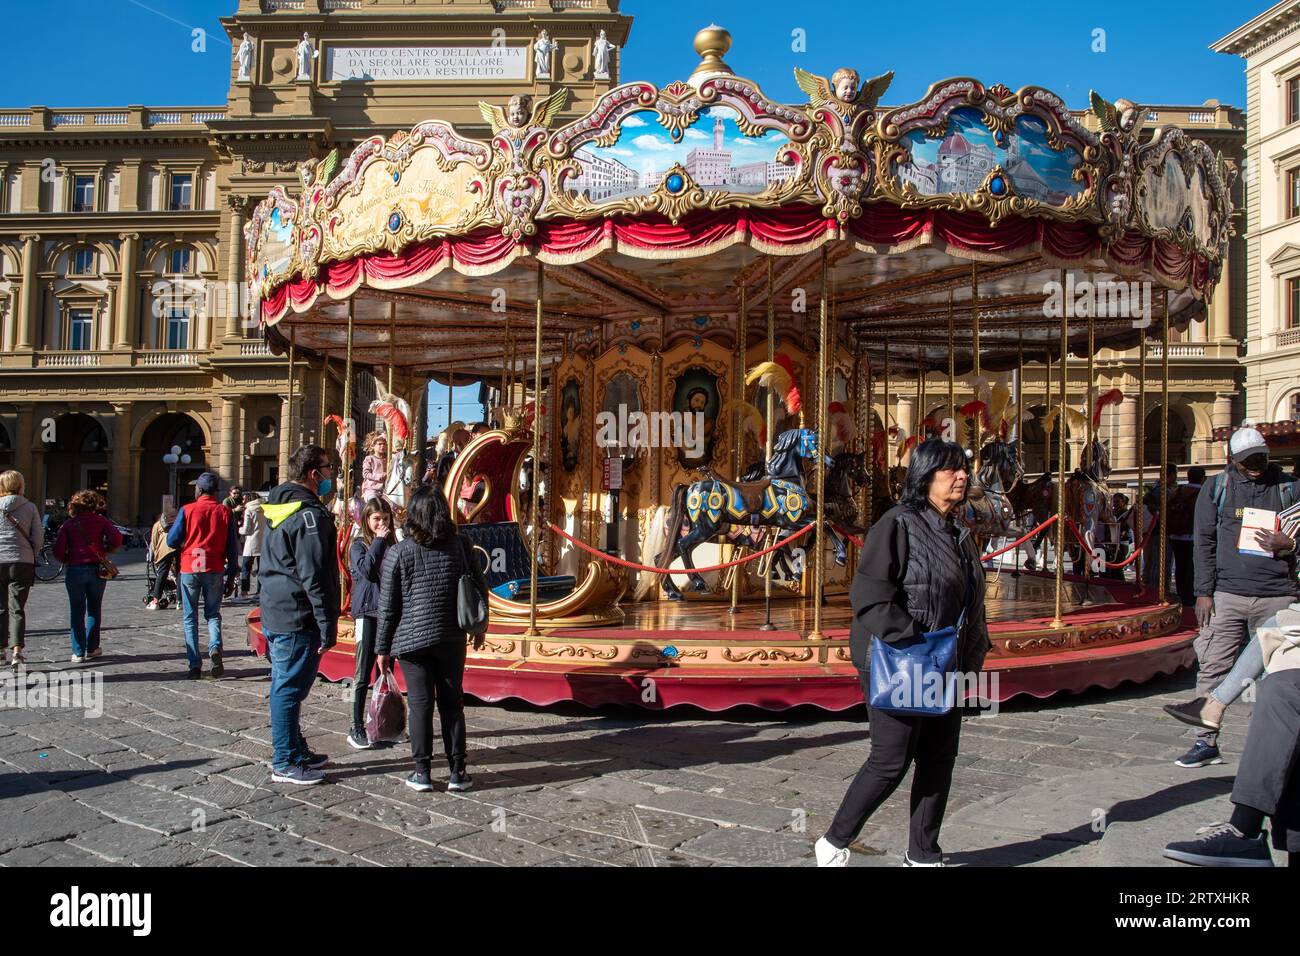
<point x="366" y="558"/>
<point x="418" y="624"/>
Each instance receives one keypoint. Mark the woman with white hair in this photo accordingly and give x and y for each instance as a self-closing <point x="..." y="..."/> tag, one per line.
<point x="21" y="538"/>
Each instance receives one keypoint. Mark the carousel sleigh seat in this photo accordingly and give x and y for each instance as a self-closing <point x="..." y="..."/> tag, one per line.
<point x="505" y="558"/>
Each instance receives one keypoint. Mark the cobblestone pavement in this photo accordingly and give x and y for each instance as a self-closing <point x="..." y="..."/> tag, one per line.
<point x="174" y="773"/>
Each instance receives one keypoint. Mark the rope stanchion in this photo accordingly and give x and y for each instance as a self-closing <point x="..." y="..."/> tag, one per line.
<point x="642" y="567"/>
<point x="1113" y="565"/>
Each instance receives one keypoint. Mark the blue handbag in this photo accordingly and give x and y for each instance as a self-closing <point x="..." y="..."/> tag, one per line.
<point x="915" y="678"/>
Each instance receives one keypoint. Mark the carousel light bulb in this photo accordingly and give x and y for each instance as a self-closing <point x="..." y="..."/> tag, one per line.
<point x="169" y="459"/>
<point x="176" y="449"/>
<point x="185" y="459"/>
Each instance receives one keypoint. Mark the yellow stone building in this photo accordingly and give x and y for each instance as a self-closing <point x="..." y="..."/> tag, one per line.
<point x="121" y="255"/>
<point x="121" y="258"/>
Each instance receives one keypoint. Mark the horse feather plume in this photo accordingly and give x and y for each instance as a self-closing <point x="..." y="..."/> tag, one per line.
<point x="1112" y="397"/>
<point x="778" y="376"/>
<point x="395" y="413"/>
<point x="999" y="401"/>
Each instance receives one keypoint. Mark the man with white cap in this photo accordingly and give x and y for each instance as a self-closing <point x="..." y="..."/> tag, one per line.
<point x="1236" y="591"/>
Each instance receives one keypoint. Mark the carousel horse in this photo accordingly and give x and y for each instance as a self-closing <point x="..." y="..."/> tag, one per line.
<point x="1037" y="499"/>
<point x="845" y="474"/>
<point x="989" y="512"/>
<point x="1088" y="503"/>
<point x="704" y="507"/>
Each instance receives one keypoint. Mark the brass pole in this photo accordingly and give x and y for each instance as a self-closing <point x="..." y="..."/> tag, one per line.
<point x="870" y="432"/>
<point x="1138" y="509"/>
<point x="1089" y="389"/>
<point x="975" y="352"/>
<point x="293" y="335"/>
<point x="1164" y="453"/>
<point x="537" y="455"/>
<point x="952" y="371"/>
<point x="1047" y="436"/>
<point x="1020" y="397"/>
<point x="819" y="554"/>
<point x="884" y="423"/>
<point x="1060" y="477"/>
<point x="392" y="332"/>
<point x="505" y="370"/>
<point x="920" y="392"/>
<point x="771" y="416"/>
<point x="324" y="390"/>
<point x="742" y="339"/>
<point x="347" y="410"/>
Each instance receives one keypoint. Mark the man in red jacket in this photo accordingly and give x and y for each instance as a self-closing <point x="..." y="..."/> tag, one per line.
<point x="207" y="539"/>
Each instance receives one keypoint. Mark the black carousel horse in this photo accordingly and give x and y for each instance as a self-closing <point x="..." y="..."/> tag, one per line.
<point x="704" y="508"/>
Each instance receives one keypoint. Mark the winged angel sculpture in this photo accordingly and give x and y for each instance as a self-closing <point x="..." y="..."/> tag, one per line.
<point x="842" y="92"/>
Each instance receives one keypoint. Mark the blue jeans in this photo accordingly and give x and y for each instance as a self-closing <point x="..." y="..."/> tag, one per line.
<point x="208" y="586"/>
<point x="295" y="658"/>
<point x="85" y="596"/>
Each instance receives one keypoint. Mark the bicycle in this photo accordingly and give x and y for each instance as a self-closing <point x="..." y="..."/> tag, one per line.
<point x="48" y="567"/>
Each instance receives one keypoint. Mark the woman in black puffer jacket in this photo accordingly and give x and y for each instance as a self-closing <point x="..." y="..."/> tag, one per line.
<point x="366" y="557"/>
<point x="417" y="624"/>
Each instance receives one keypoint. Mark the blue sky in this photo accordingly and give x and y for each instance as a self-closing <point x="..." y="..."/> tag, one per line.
<point x="119" y="52"/>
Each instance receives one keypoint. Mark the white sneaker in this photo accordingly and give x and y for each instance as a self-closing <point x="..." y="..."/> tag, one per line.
<point x="908" y="861"/>
<point x="828" y="855"/>
<point x="77" y="659"/>
<point x="16" y="657"/>
<point x="301" y="776"/>
<point x="152" y="605"/>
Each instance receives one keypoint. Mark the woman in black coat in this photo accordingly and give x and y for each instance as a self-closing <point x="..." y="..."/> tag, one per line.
<point x="920" y="570"/>
<point x="418" y="624"/>
<point x="366" y="559"/>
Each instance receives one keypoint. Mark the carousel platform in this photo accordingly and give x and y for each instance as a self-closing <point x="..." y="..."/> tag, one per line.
<point x="667" y="654"/>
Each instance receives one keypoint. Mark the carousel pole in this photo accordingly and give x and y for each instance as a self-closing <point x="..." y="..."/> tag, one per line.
<point x="1047" y="436"/>
<point x="293" y="335"/>
<point x="537" y="456"/>
<point x="1060" y="465"/>
<point x="975" y="353"/>
<point x="771" y="415"/>
<point x="1163" y="480"/>
<point x="324" y="389"/>
<point x="347" y="410"/>
<point x="742" y="339"/>
<point x="819" y="553"/>
<point x="1020" y="397"/>
<point x="952" y="369"/>
<point x="1138" y="509"/>
<point x="1088" y="390"/>
<point x="392" y="330"/>
<point x="505" y="381"/>
<point x="870" y="432"/>
<point x="920" y="392"/>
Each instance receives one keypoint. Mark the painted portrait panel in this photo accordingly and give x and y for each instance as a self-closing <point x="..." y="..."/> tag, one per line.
<point x="570" y="424"/>
<point x="696" y="391"/>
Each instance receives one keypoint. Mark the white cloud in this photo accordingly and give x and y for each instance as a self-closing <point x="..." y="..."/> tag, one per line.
<point x="696" y="134"/>
<point x="615" y="151"/>
<point x="633" y="121"/>
<point x="651" y="143"/>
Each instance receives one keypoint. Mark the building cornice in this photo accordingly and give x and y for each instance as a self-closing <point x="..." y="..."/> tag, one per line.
<point x="143" y="222"/>
<point x="1274" y="23"/>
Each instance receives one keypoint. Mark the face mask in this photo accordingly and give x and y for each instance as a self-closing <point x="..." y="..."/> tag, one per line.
<point x="325" y="487"/>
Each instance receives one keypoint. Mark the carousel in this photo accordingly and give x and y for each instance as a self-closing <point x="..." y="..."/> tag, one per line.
<point x="691" y="305"/>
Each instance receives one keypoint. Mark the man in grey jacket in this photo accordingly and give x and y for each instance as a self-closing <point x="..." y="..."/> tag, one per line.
<point x="299" y="597"/>
<point x="1236" y="591"/>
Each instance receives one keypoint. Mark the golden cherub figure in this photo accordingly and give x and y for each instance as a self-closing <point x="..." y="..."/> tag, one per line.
<point x="842" y="88"/>
<point x="520" y="113"/>
<point x="1123" y="116"/>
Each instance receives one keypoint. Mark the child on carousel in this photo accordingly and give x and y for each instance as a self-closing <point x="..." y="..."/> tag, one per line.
<point x="374" y="469"/>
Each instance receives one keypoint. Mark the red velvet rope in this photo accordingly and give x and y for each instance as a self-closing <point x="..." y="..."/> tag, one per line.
<point x="1115" y="566"/>
<point x="992" y="554"/>
<point x="641" y="567"/>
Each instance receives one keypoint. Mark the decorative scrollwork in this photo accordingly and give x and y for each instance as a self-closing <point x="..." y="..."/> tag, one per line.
<point x="576" y="651"/>
<point x="768" y="654"/>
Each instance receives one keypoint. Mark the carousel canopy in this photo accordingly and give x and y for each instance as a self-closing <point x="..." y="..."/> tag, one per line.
<point x="976" y="205"/>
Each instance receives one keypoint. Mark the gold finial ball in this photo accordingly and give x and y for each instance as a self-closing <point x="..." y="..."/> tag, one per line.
<point x="713" y="41"/>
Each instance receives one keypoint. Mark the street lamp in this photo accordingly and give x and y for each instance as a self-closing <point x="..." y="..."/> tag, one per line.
<point x="173" y="459"/>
